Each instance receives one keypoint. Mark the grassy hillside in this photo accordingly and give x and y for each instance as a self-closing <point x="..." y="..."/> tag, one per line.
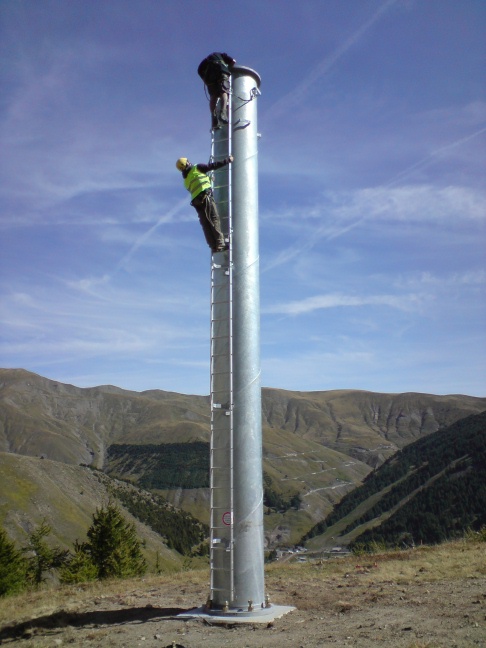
<point x="431" y="490"/>
<point x="40" y="417"/>
<point x="66" y="496"/>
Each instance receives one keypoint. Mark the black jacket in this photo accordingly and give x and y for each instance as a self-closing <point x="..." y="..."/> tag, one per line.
<point x="206" y="168"/>
<point x="214" y="66"/>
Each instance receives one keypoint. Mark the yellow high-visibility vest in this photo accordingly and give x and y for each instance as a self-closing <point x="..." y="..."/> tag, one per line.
<point x="196" y="182"/>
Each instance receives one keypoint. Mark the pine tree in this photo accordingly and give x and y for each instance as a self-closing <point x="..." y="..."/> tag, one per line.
<point x="13" y="567"/>
<point x="80" y="568"/>
<point x="42" y="557"/>
<point x="113" y="545"/>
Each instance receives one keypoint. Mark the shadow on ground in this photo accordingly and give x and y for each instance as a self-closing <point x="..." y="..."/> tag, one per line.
<point x="95" y="619"/>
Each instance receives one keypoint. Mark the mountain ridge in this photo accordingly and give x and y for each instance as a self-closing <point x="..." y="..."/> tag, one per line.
<point x="317" y="446"/>
<point x="362" y="424"/>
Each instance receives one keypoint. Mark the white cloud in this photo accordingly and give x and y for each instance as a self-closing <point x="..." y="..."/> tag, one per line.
<point x="338" y="212"/>
<point x="336" y="300"/>
<point x="418" y="203"/>
<point x="428" y="279"/>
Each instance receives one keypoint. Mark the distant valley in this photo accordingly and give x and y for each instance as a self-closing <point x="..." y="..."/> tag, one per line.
<point x="317" y="447"/>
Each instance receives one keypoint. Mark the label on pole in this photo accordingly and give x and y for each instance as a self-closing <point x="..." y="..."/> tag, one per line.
<point x="228" y="518"/>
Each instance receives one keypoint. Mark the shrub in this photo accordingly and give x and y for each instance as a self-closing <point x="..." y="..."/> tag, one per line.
<point x="13" y="567"/>
<point x="79" y="568"/>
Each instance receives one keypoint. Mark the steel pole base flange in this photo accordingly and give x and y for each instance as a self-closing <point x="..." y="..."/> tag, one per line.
<point x="237" y="615"/>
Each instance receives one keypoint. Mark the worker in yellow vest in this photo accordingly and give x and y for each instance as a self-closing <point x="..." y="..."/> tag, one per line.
<point x="198" y="184"/>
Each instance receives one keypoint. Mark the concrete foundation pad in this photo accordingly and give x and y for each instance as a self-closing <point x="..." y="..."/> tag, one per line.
<point x="218" y="617"/>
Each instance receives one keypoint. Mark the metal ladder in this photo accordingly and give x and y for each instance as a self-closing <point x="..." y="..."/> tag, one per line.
<point x="221" y="444"/>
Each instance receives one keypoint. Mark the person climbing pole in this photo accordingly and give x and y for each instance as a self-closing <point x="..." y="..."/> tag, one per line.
<point x="215" y="71"/>
<point x="198" y="184"/>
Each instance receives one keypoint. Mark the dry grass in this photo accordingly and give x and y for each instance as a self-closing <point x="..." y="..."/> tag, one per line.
<point x="450" y="561"/>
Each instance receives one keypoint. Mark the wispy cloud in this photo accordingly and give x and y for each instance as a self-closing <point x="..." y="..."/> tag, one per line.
<point x="421" y="203"/>
<point x="338" y="213"/>
<point x="444" y="282"/>
<point x="142" y="240"/>
<point x="105" y="323"/>
<point x="336" y="369"/>
<point x="422" y="368"/>
<point x="297" y="95"/>
<point x="468" y="115"/>
<point x="433" y="157"/>
<point x="337" y="300"/>
<point x="70" y="127"/>
<point x="368" y="208"/>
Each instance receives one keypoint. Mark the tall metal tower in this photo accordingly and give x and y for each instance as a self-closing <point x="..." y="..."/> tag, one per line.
<point x="237" y="590"/>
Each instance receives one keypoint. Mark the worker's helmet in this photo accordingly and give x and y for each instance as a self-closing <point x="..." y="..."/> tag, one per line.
<point x="182" y="163"/>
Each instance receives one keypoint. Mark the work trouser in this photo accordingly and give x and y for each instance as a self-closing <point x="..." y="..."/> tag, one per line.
<point x="209" y="218"/>
<point x="219" y="89"/>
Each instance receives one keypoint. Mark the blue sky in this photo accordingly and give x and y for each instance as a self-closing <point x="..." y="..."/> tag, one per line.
<point x="371" y="185"/>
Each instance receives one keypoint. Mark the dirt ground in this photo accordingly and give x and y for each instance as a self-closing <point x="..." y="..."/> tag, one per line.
<point x="412" y="602"/>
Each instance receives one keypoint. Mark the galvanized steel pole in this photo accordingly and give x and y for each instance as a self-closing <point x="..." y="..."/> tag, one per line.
<point x="247" y="434"/>
<point x="237" y="534"/>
